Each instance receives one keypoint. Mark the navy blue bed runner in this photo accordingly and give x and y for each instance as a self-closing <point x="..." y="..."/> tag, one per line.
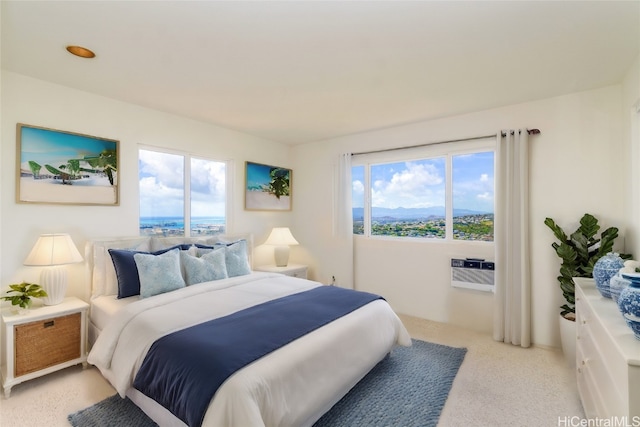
<point x="183" y="370"/>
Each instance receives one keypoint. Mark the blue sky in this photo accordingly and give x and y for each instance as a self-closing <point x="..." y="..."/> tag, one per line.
<point x="161" y="181"/>
<point x="421" y="183"/>
<point x="258" y="175"/>
<point x="46" y="146"/>
<point x="473" y="182"/>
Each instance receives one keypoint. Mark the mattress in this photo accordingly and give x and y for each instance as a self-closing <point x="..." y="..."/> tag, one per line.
<point x="102" y="311"/>
<point x="105" y="307"/>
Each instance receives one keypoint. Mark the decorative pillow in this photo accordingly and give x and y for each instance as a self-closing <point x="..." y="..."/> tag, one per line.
<point x="126" y="271"/>
<point x="159" y="273"/>
<point x="103" y="274"/>
<point x="236" y="259"/>
<point x="182" y="247"/>
<point x="160" y="243"/>
<point x="211" y="266"/>
<point x="199" y="250"/>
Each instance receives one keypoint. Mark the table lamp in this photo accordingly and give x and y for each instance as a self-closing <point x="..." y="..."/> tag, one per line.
<point x="52" y="251"/>
<point x="281" y="238"/>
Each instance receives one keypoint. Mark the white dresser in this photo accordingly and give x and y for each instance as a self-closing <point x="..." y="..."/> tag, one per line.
<point x="607" y="357"/>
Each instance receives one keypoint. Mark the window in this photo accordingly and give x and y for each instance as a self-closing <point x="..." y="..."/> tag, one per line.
<point x="473" y="196"/>
<point x="181" y="195"/>
<point x="444" y="192"/>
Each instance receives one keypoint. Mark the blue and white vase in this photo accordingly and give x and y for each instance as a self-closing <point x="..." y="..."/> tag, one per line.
<point x="616" y="285"/>
<point x="629" y="302"/>
<point x="604" y="269"/>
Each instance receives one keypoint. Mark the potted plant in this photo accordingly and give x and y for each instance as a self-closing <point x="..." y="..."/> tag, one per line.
<point x="579" y="252"/>
<point x="23" y="293"/>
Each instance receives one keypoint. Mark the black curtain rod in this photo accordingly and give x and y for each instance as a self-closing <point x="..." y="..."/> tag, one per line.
<point x="529" y="131"/>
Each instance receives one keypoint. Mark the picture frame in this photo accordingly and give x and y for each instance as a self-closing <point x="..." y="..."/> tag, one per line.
<point x="267" y="188"/>
<point x="61" y="167"/>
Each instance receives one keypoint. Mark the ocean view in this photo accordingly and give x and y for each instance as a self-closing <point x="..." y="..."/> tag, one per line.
<point x="174" y="226"/>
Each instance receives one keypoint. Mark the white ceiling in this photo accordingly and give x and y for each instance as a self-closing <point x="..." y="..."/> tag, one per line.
<point x="301" y="71"/>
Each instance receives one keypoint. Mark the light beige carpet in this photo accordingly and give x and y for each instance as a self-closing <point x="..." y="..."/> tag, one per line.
<point x="497" y="385"/>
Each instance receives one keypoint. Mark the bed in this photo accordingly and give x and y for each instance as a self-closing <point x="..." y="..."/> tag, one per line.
<point x="291" y="384"/>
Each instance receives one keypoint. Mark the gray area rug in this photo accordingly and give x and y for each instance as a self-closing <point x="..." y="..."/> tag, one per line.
<point x="408" y="388"/>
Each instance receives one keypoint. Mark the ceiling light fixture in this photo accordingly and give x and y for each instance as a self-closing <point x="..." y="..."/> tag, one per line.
<point x="80" y="51"/>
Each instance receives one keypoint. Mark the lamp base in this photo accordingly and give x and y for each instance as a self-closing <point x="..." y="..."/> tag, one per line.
<point x="54" y="282"/>
<point x="281" y="255"/>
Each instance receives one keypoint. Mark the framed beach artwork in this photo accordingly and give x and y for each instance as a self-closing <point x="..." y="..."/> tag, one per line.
<point x="62" y="167"/>
<point x="267" y="187"/>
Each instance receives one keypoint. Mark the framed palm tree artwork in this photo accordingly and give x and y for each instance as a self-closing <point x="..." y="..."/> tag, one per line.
<point x="267" y="187"/>
<point x="55" y="166"/>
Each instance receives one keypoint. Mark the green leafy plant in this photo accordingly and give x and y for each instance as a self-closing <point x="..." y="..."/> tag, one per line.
<point x="279" y="184"/>
<point x="579" y="252"/>
<point x="24" y="292"/>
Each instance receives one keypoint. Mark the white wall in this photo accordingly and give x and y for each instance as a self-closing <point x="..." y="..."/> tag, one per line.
<point x="631" y="136"/>
<point x="575" y="168"/>
<point x="38" y="103"/>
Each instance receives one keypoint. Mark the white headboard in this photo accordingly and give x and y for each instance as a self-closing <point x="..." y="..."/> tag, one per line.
<point x="101" y="273"/>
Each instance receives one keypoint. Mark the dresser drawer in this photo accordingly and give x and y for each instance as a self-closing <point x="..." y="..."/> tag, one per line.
<point x="594" y="366"/>
<point x="47" y="342"/>
<point x="300" y="273"/>
<point x="591" y="400"/>
<point x="607" y="356"/>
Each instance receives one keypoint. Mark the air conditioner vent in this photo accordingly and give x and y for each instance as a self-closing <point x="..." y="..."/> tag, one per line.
<point x="473" y="273"/>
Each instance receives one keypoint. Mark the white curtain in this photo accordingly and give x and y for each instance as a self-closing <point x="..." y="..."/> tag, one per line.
<point x="343" y="217"/>
<point x="512" y="314"/>
<point x="343" y="224"/>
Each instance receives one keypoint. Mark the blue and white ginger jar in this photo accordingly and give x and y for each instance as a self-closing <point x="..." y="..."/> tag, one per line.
<point x="616" y="285"/>
<point x="604" y="269"/>
<point x="629" y="303"/>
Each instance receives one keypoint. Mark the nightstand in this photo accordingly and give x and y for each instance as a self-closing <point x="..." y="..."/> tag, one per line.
<point x="42" y="341"/>
<point x="293" y="270"/>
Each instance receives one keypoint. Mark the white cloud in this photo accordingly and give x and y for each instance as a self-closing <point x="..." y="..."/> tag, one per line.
<point x="474" y="194"/>
<point x="418" y="185"/>
<point x="162" y="185"/>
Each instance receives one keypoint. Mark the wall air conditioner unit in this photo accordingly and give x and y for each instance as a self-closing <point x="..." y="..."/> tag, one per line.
<point x="473" y="273"/>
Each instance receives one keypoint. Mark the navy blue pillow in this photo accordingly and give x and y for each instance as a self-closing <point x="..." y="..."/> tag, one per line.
<point x="127" y="270"/>
<point x="198" y="245"/>
<point x="182" y="247"/>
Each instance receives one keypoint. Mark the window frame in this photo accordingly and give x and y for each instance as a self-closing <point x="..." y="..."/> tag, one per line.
<point x="448" y="150"/>
<point x="187" y="157"/>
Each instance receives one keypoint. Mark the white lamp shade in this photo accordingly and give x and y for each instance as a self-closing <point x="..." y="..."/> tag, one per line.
<point x="281" y="236"/>
<point x="53" y="249"/>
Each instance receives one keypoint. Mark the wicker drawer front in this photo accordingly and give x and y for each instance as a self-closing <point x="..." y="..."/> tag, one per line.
<point x="45" y="343"/>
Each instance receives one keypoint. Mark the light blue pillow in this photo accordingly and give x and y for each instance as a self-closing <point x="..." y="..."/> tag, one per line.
<point x="202" y="251"/>
<point x="159" y="273"/>
<point x="210" y="266"/>
<point x="236" y="259"/>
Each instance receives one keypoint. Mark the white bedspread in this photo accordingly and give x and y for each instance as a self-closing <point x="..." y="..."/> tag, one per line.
<point x="292" y="386"/>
